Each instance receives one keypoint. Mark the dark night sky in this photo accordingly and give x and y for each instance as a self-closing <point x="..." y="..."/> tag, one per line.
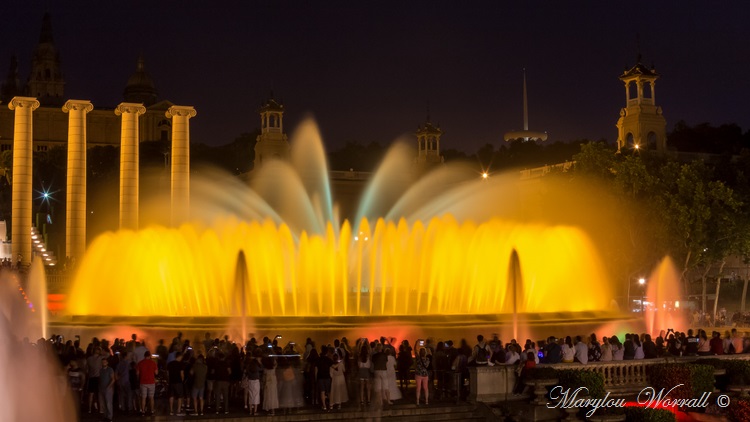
<point x="367" y="69"/>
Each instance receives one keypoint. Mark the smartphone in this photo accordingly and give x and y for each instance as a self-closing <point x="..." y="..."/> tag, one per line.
<point x="420" y="342"/>
<point x="540" y="354"/>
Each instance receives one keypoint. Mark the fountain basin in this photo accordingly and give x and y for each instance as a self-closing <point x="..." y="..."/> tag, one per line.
<point x="440" y="327"/>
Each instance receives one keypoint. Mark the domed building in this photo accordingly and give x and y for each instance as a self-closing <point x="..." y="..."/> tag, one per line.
<point x="140" y="87"/>
<point x="46" y="82"/>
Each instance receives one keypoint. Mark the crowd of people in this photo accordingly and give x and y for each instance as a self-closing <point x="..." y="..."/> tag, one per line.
<point x="262" y="376"/>
<point x="217" y="373"/>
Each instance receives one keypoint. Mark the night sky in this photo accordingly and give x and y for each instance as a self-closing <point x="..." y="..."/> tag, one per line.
<point x="367" y="70"/>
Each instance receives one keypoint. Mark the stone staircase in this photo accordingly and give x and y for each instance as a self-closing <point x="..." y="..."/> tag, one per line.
<point x="39" y="248"/>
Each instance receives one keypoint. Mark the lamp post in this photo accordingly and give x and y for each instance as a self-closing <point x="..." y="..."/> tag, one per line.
<point x="642" y="283"/>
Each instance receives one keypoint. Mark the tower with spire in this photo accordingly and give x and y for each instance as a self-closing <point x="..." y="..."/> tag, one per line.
<point x="525" y="134"/>
<point x="428" y="145"/>
<point x="272" y="143"/>
<point x="46" y="81"/>
<point x="641" y="124"/>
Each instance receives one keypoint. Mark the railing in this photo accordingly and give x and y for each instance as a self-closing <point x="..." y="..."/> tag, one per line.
<point x="495" y="383"/>
<point x="626" y="374"/>
<point x="57" y="282"/>
<point x="543" y="171"/>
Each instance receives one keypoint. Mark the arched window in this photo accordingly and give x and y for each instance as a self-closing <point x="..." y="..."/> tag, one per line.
<point x="651" y="141"/>
<point x="629" y="140"/>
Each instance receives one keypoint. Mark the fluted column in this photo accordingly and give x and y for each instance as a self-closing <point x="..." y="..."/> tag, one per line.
<point x="75" y="203"/>
<point x="180" y="116"/>
<point x="22" y="168"/>
<point x="129" y="163"/>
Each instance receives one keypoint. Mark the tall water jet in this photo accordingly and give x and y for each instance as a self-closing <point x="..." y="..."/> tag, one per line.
<point x="241" y="280"/>
<point x="37" y="294"/>
<point x="516" y="287"/>
<point x="30" y="374"/>
<point x="663" y="295"/>
<point x="309" y="161"/>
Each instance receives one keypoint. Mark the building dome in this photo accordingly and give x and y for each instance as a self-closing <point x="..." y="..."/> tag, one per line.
<point x="140" y="87"/>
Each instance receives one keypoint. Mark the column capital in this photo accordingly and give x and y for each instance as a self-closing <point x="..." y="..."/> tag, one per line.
<point x="123" y="108"/>
<point x="23" y="102"/>
<point x="184" y="111"/>
<point x="78" y="105"/>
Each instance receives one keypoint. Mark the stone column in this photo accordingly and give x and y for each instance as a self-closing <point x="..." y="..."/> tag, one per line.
<point x="21" y="206"/>
<point x="129" y="163"/>
<point x="75" y="201"/>
<point x="180" y="162"/>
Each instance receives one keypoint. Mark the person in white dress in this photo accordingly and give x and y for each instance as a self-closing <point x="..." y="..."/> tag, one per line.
<point x="395" y="392"/>
<point x="270" y="387"/>
<point x="339" y="393"/>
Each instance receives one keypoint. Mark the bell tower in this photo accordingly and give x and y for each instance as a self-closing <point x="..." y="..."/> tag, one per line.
<point x="641" y="124"/>
<point x="272" y="142"/>
<point x="46" y="81"/>
<point x="428" y="145"/>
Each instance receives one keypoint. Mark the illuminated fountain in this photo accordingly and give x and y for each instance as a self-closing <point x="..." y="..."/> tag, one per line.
<point x="448" y="245"/>
<point x="664" y="293"/>
<point x="29" y="374"/>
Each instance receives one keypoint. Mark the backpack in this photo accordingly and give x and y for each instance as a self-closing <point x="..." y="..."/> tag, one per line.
<point x="482" y="354"/>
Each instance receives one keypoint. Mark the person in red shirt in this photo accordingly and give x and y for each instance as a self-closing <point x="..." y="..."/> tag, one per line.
<point x="716" y="344"/>
<point x="147" y="371"/>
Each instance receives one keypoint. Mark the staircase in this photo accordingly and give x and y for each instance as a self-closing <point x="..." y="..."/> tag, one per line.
<point x="39" y="248"/>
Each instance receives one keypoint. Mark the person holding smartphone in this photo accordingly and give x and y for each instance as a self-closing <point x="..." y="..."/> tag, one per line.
<point x="421" y="375"/>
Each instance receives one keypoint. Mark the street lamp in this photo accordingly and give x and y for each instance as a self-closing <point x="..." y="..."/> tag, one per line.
<point x="642" y="282"/>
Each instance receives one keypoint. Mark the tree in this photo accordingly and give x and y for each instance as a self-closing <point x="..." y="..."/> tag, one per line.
<point x="628" y="181"/>
<point x="596" y="159"/>
<point x="701" y="215"/>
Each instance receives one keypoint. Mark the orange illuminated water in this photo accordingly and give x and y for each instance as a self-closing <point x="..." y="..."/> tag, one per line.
<point x="663" y="294"/>
<point x="438" y="267"/>
<point x="441" y="245"/>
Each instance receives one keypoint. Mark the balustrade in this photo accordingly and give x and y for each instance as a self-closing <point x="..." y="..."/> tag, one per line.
<point x="626" y="376"/>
